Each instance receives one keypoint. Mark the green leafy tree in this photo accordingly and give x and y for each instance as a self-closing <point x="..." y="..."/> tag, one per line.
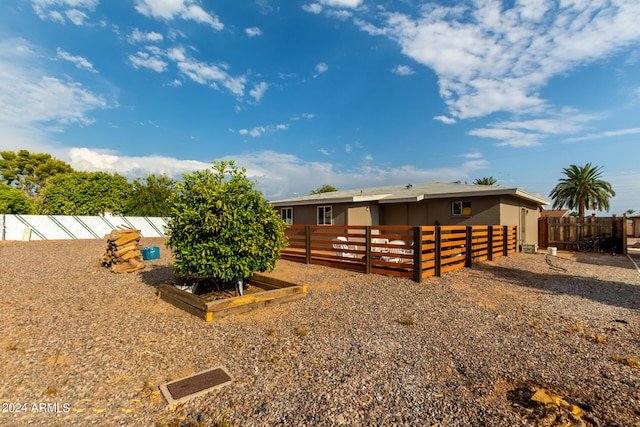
<point x="327" y="188"/>
<point x="485" y="181"/>
<point x="221" y="227"/>
<point x="14" y="201"/>
<point x="150" y="196"/>
<point x="582" y="188"/>
<point x="630" y="211"/>
<point x="84" y="193"/>
<point x="29" y="171"/>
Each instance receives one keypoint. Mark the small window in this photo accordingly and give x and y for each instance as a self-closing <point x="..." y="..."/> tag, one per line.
<point x="287" y="215"/>
<point x="324" y="215"/>
<point x="461" y="208"/>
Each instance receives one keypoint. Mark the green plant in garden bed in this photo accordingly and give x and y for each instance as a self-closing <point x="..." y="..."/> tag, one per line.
<point x="222" y="227"/>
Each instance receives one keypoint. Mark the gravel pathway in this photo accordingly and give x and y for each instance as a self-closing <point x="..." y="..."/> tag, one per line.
<point x="90" y="347"/>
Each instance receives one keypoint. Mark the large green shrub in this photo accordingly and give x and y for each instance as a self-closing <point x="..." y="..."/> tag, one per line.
<point x="221" y="227"/>
<point x="84" y="193"/>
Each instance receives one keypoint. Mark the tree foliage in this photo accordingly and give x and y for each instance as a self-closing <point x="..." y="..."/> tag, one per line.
<point x="14" y="201"/>
<point x="222" y="227"/>
<point x="84" y="193"/>
<point x="485" y="181"/>
<point x="326" y="188"/>
<point x="582" y="188"/>
<point x="29" y="171"/>
<point x="150" y="196"/>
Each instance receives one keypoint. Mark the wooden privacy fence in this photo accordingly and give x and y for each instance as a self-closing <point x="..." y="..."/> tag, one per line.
<point x="405" y="251"/>
<point x="562" y="232"/>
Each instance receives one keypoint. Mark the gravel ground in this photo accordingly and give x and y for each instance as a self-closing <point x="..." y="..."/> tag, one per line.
<point x="90" y="347"/>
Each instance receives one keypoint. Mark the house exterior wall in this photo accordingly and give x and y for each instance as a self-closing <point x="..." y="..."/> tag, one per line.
<point x="363" y="214"/>
<point x="485" y="210"/>
<point x="308" y="214"/>
<point x="523" y="214"/>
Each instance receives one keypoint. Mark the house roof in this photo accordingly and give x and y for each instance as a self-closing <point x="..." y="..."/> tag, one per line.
<point x="554" y="213"/>
<point x="409" y="193"/>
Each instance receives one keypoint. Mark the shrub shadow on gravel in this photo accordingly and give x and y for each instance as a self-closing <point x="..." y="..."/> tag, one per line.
<point x="157" y="275"/>
<point x="596" y="289"/>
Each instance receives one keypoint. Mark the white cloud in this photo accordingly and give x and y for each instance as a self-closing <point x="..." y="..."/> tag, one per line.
<point x="351" y="4"/>
<point x="177" y="54"/>
<point x="253" y="31"/>
<point x="341" y="14"/>
<point x="262" y="130"/>
<point x="323" y="151"/>
<point x="321" y="68"/>
<point x="508" y="137"/>
<point x="368" y="157"/>
<point x="73" y="9"/>
<point x="258" y="91"/>
<point x="87" y="159"/>
<point x="308" y="116"/>
<point x="312" y="8"/>
<point x="348" y="148"/>
<point x="76" y="16"/>
<point x="444" y="119"/>
<point x="211" y="75"/>
<point x="34" y="102"/>
<point x="257" y="131"/>
<point x="151" y="62"/>
<point x="138" y="36"/>
<point x="490" y="58"/>
<point x="403" y="70"/>
<point x="185" y="9"/>
<point x="607" y="134"/>
<point x="46" y="99"/>
<point x="524" y="133"/>
<point x="55" y="16"/>
<point x="472" y="155"/>
<point x="79" y="61"/>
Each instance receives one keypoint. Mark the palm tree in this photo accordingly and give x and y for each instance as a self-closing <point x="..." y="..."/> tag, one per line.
<point x="485" y="181"/>
<point x="582" y="188"/>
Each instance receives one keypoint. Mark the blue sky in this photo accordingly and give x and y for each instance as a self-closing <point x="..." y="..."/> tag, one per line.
<point x="353" y="93"/>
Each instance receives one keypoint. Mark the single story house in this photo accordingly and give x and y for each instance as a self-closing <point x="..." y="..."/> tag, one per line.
<point x="554" y="213"/>
<point x="420" y="204"/>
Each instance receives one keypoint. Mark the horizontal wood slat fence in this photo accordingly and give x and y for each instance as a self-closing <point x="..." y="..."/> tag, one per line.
<point x="396" y="250"/>
<point x="562" y="232"/>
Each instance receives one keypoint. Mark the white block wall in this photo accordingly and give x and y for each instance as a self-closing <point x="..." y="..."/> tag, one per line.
<point x="56" y="227"/>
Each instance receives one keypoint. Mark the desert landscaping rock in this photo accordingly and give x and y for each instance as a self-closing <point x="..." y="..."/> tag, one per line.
<point x="467" y="349"/>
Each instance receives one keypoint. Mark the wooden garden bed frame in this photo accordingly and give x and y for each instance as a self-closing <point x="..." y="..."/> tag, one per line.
<point x="276" y="291"/>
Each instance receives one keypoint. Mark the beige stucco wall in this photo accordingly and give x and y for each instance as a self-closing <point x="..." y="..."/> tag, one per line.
<point x="363" y="214"/>
<point x="524" y="215"/>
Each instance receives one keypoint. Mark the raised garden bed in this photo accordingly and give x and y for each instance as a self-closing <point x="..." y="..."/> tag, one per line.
<point x="261" y="291"/>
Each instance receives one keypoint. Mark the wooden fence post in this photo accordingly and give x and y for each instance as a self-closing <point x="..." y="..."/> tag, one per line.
<point x="490" y="243"/>
<point x="505" y="240"/>
<point x="438" y="251"/>
<point x="469" y="249"/>
<point x="367" y="255"/>
<point x="307" y="244"/>
<point x="417" y="254"/>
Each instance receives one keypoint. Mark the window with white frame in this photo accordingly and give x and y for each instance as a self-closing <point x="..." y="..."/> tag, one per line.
<point x="287" y="215"/>
<point x="460" y="208"/>
<point x="324" y="215"/>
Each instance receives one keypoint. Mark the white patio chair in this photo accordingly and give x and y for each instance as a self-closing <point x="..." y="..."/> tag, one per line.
<point x="342" y="246"/>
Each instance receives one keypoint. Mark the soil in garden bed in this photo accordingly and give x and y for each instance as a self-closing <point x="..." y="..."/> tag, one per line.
<point x="212" y="289"/>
